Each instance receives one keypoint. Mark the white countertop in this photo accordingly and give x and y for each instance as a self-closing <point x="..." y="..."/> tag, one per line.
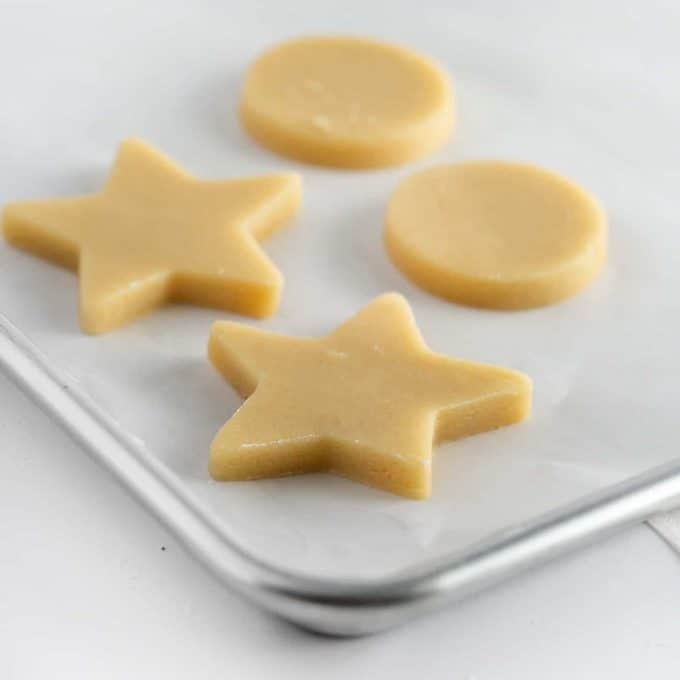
<point x="92" y="586"/>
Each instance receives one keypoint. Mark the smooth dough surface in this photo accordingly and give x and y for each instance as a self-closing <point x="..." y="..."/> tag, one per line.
<point x="155" y="234"/>
<point x="346" y="102"/>
<point x="495" y="234"/>
<point x="366" y="402"/>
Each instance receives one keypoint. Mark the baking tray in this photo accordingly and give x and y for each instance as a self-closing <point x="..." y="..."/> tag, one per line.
<point x="331" y="555"/>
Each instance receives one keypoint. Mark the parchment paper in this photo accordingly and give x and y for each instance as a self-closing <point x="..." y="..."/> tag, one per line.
<point x="605" y="364"/>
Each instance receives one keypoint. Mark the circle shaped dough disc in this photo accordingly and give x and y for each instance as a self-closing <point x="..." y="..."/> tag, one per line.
<point x="346" y="102"/>
<point x="494" y="234"/>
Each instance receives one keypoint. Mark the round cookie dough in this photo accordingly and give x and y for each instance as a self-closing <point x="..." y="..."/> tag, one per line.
<point x="346" y="102"/>
<point x="495" y="234"/>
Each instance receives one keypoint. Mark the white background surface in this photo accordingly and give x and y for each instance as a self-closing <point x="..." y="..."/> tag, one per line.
<point x="584" y="90"/>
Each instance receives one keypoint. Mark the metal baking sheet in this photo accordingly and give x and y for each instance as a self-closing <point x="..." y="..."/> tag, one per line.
<point x="604" y="364"/>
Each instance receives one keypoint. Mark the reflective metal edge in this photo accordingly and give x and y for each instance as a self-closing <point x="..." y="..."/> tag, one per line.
<point x="334" y="607"/>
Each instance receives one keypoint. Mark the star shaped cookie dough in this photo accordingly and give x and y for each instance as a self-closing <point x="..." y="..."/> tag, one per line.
<point x="155" y="234"/>
<point x="366" y="402"/>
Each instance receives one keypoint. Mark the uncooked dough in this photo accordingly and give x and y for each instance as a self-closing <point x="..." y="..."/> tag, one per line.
<point x="495" y="234"/>
<point x="365" y="402"/>
<point x="156" y="234"/>
<point x="347" y="102"/>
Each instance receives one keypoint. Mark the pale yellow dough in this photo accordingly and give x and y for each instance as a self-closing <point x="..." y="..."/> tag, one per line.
<point x="347" y="102"/>
<point x="155" y="234"/>
<point x="366" y="402"/>
<point x="495" y="234"/>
